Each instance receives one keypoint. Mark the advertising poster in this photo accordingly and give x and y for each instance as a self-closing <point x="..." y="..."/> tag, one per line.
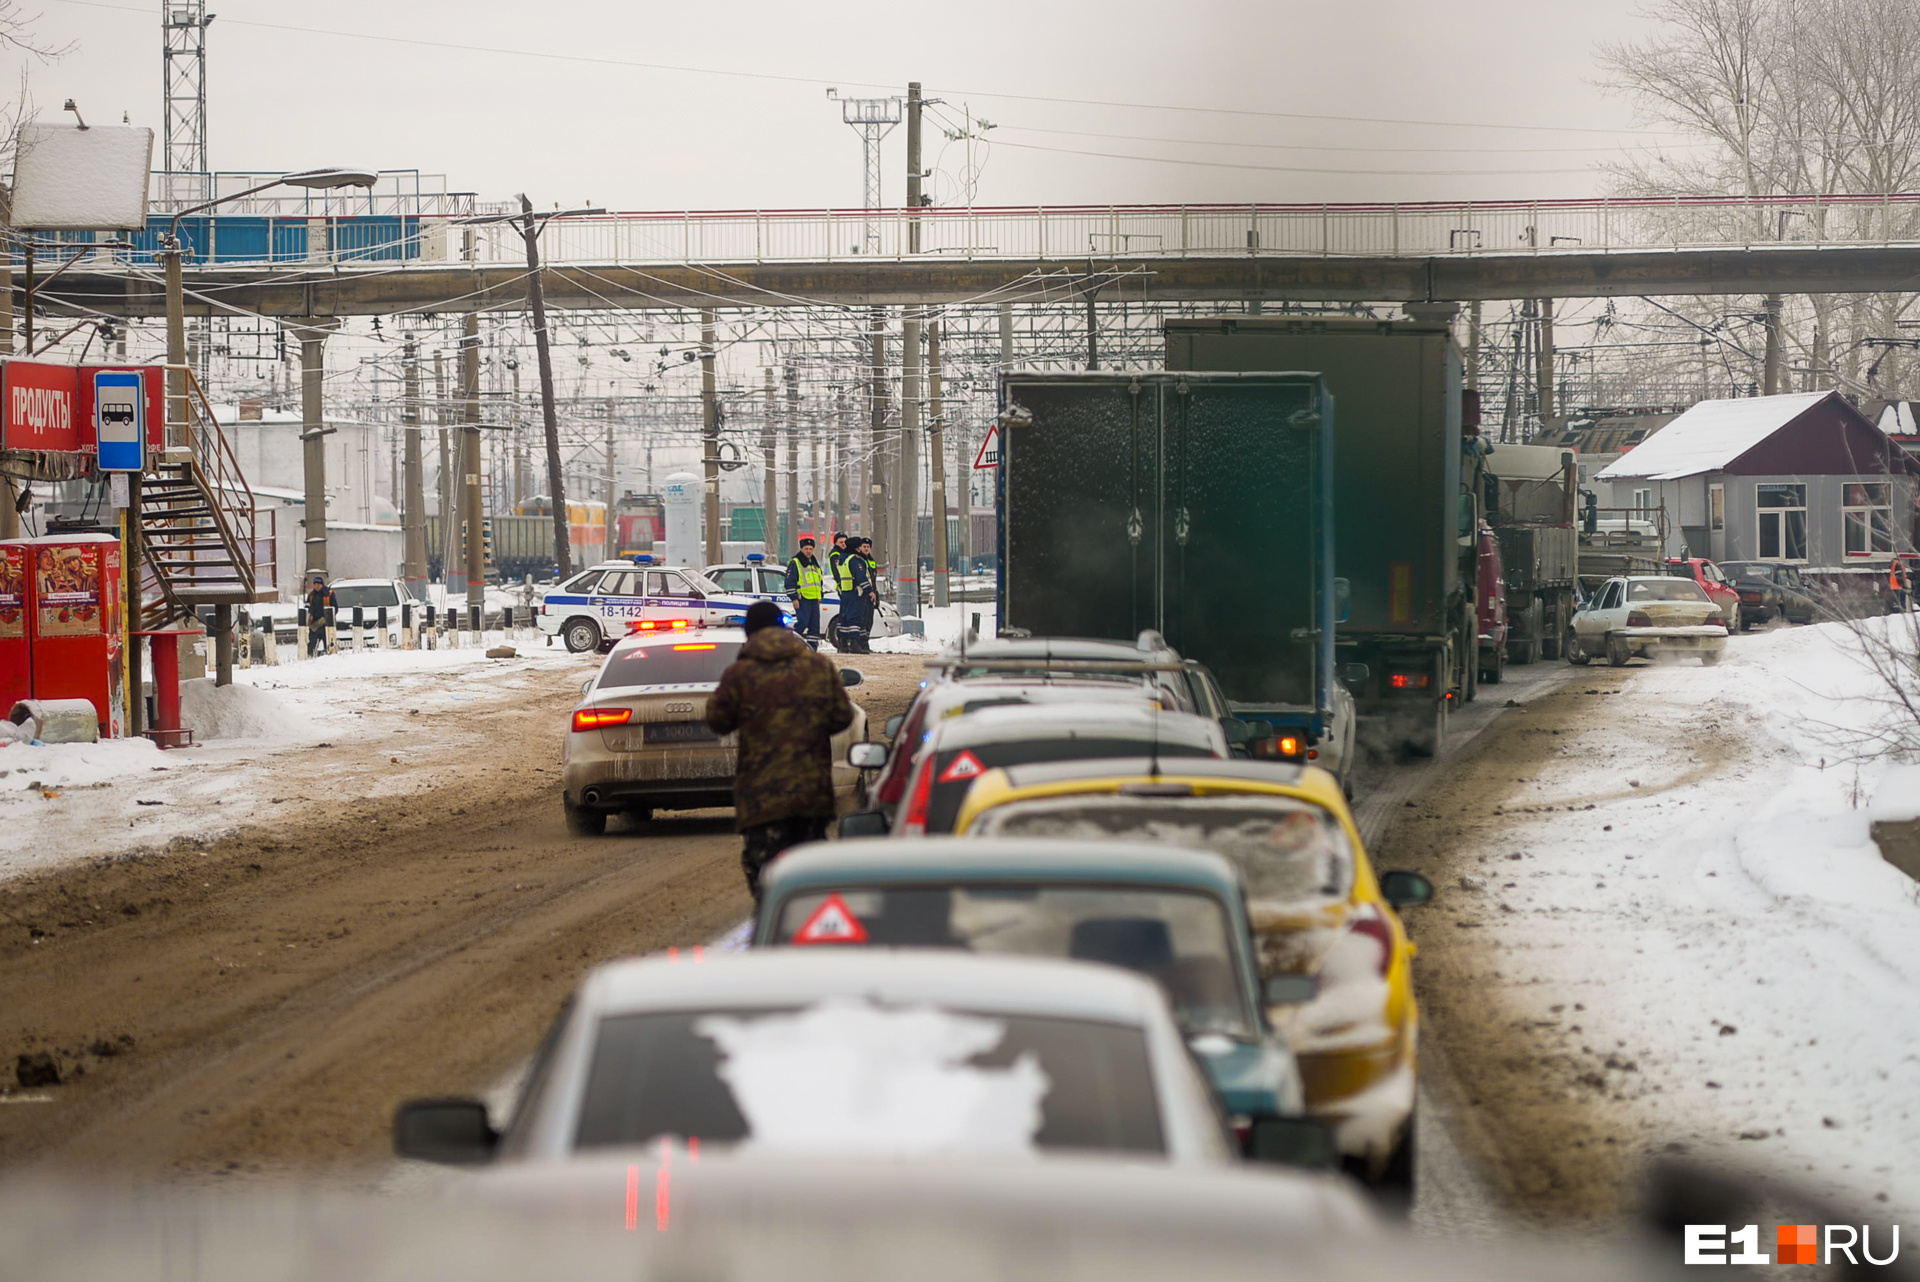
<point x="67" y="591"/>
<point x="39" y="402"/>
<point x="13" y="593"/>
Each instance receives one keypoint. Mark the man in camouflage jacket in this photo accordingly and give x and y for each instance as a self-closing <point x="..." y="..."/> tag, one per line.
<point x="787" y="704"/>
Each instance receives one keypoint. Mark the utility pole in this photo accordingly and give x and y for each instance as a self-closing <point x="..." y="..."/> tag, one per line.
<point x="613" y="482"/>
<point x="840" y="461"/>
<point x="770" y="479"/>
<point x="413" y="514"/>
<point x="1545" y="353"/>
<point x="710" y="436"/>
<point x="913" y="166"/>
<point x="1771" y="367"/>
<point x="537" y="299"/>
<point x="1473" y="346"/>
<point x="877" y="453"/>
<point x="937" y="457"/>
<point x="470" y="467"/>
<point x="906" y="501"/>
<point x="793" y="459"/>
<point x="449" y="549"/>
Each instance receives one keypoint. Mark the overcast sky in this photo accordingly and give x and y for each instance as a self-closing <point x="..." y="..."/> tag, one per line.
<point x="438" y="90"/>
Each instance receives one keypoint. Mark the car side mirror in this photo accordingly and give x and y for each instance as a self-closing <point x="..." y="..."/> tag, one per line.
<point x="851" y="677"/>
<point x="1288" y="989"/>
<point x="454" y="1132"/>
<point x="893" y="725"/>
<point x="1354" y="673"/>
<point x="867" y="755"/>
<point x="1237" y="731"/>
<point x="863" y="823"/>
<point x="1405" y="889"/>
<point x="1292" y="1141"/>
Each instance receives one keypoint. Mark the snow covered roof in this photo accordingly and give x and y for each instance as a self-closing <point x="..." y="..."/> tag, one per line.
<point x="1897" y="419"/>
<point x="1709" y="436"/>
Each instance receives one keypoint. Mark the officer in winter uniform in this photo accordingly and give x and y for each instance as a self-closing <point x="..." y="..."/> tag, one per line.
<point x="805" y="585"/>
<point x="859" y="598"/>
<point x="835" y="555"/>
<point x="787" y="704"/>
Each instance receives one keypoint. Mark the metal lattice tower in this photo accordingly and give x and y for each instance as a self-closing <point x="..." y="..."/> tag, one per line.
<point x="183" y="28"/>
<point x="873" y="119"/>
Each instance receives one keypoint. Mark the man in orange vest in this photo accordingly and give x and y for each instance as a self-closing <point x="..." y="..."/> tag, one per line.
<point x="1899" y="587"/>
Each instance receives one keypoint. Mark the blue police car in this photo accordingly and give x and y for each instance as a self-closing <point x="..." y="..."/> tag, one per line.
<point x="600" y="605"/>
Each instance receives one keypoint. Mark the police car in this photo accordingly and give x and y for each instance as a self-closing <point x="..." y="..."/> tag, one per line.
<point x="764" y="580"/>
<point x="599" y="606"/>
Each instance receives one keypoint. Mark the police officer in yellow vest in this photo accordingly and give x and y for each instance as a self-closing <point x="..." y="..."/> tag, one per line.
<point x="805" y="584"/>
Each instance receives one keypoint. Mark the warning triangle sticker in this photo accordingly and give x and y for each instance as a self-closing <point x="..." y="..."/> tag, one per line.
<point x="989" y="455"/>
<point x="832" y="923"/>
<point x="964" y="766"/>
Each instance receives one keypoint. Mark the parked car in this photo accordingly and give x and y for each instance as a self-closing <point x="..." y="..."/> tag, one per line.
<point x="822" y="1054"/>
<point x="762" y="579"/>
<point x="1178" y="917"/>
<point x="1714" y="582"/>
<point x="960" y="750"/>
<point x="1768" y="591"/>
<point x="371" y="596"/>
<point x="1647" y="617"/>
<point x="1316" y="907"/>
<point x="597" y="607"/>
<point x="638" y="740"/>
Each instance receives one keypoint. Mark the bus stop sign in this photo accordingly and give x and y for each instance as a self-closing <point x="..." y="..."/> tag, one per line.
<point x="119" y="418"/>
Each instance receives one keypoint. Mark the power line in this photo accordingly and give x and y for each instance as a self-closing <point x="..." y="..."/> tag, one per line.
<point x="1288" y="169"/>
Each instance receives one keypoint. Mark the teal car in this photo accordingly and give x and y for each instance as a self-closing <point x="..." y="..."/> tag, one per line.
<point x="1177" y="916"/>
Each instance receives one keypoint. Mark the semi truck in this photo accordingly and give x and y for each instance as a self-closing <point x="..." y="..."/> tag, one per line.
<point x="1531" y="508"/>
<point x="1407" y="499"/>
<point x="1198" y="506"/>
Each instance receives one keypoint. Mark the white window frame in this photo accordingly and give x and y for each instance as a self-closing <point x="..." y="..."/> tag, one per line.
<point x="1761" y="515"/>
<point x="1643" y="501"/>
<point x="1861" y="516"/>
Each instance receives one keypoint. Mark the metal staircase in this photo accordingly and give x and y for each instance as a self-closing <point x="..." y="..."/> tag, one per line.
<point x="202" y="540"/>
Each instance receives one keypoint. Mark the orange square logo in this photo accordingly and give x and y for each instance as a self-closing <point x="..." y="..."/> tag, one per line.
<point x="1797" y="1244"/>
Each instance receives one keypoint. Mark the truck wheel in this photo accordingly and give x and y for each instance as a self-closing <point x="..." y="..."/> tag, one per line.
<point x="582" y="822"/>
<point x="582" y="636"/>
<point x="1618" y="651"/>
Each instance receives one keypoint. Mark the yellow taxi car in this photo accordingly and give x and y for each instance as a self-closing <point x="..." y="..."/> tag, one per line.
<point x="1315" y="904"/>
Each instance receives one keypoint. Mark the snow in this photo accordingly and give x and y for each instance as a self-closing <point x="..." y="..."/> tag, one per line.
<point x="82" y="179"/>
<point x="1709" y="436"/>
<point x="849" y="1077"/>
<point x="1721" y="917"/>
<point x="943" y="628"/>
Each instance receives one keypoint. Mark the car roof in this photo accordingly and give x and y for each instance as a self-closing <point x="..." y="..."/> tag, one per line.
<point x="938" y="860"/>
<point x="626" y="564"/>
<point x="1105" y="719"/>
<point x="1229" y="769"/>
<point x="1036" y="688"/>
<point x="364" y="583"/>
<point x="643" y="640"/>
<point x="1053" y="648"/>
<point x="789" y="976"/>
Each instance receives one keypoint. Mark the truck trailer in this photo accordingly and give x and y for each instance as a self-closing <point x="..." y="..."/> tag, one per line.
<point x="1531" y="510"/>
<point x="1406" y="498"/>
<point x="1199" y="506"/>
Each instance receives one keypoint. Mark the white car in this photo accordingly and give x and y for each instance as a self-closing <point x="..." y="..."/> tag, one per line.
<point x="371" y="596"/>
<point x="879" y="1054"/>
<point x="766" y="581"/>
<point x="638" y="740"/>
<point x="1647" y="617"/>
<point x="597" y="607"/>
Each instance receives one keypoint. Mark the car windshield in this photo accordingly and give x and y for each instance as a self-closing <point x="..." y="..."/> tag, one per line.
<point x="801" y="1080"/>
<point x="1665" y="590"/>
<point x="681" y="663"/>
<point x="366" y="596"/>
<point x="1180" y="939"/>
<point x="955" y="769"/>
<point x="1289" y="851"/>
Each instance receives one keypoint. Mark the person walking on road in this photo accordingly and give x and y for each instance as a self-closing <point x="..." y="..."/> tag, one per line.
<point x="319" y="606"/>
<point x="787" y="703"/>
<point x="805" y="584"/>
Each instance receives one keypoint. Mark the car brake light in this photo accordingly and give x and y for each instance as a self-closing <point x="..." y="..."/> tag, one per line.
<point x="594" y="718"/>
<point x="708" y="645"/>
<point x="1638" y="619"/>
<point x="658" y="625"/>
<point x="1716" y="620"/>
<point x="1370" y="922"/>
<point x="1408" y="680"/>
<point x="914" y="822"/>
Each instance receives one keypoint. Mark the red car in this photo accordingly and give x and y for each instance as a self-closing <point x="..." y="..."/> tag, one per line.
<point x="1719" y="591"/>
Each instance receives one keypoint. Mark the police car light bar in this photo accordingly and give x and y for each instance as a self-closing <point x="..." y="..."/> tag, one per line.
<point x="756" y="557"/>
<point x="643" y="558"/>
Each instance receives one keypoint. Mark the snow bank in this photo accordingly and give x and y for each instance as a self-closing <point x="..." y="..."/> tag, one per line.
<point x="32" y="769"/>
<point x="943" y="628"/>
<point x="242" y="712"/>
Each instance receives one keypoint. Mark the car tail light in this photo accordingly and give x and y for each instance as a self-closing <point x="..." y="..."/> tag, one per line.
<point x="595" y="718"/>
<point x="1717" y="620"/>
<point x="1369" y="921"/>
<point x="914" y="822"/>
<point x="1282" y="747"/>
<point x="1638" y="619"/>
<point x="1408" y="680"/>
<point x="1750" y="596"/>
<point x="659" y="625"/>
